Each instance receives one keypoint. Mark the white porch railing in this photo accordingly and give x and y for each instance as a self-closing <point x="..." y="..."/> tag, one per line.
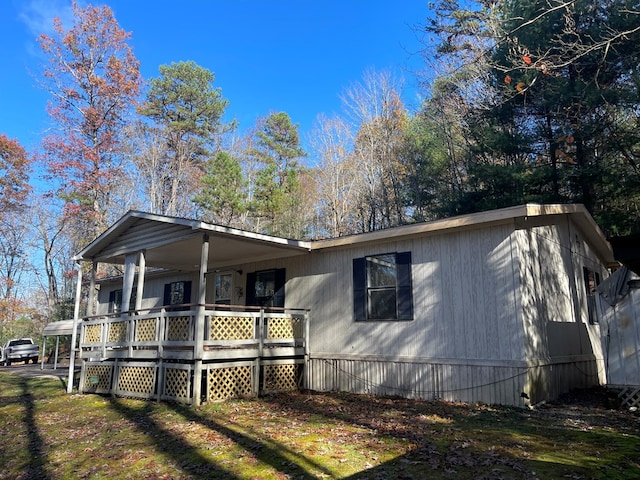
<point x="171" y="334"/>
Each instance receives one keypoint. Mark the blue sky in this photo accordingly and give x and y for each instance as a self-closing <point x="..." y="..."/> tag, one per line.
<point x="268" y="56"/>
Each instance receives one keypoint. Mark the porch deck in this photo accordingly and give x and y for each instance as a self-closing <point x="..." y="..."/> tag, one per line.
<point x="157" y="353"/>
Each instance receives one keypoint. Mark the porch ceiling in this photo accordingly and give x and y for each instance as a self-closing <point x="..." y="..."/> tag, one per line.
<point x="175" y="243"/>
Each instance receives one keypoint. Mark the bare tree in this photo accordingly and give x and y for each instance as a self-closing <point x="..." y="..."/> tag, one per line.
<point x="379" y="117"/>
<point x="337" y="175"/>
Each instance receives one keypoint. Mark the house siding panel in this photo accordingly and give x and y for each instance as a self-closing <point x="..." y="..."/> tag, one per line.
<point x="459" y="281"/>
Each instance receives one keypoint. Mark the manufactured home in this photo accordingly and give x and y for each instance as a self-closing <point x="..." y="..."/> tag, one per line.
<point x="619" y="309"/>
<point x="493" y="307"/>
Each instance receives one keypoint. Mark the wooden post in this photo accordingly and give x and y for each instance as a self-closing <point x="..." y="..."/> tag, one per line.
<point x="74" y="333"/>
<point x="199" y="321"/>
<point x="91" y="303"/>
<point x="142" y="265"/>
<point x="127" y="281"/>
<point x="261" y="332"/>
<point x="55" y="358"/>
<point x="306" y="350"/>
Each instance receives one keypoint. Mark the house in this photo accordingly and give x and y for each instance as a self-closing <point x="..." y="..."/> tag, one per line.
<point x="618" y="300"/>
<point x="493" y="307"/>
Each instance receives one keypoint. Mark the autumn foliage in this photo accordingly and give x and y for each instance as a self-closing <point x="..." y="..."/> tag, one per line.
<point x="14" y="175"/>
<point x="94" y="80"/>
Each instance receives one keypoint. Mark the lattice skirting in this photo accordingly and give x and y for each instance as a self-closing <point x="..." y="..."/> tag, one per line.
<point x="174" y="381"/>
<point x="230" y="380"/>
<point x="97" y="378"/>
<point x="281" y="377"/>
<point x="177" y="382"/>
<point x="629" y="397"/>
<point x="136" y="380"/>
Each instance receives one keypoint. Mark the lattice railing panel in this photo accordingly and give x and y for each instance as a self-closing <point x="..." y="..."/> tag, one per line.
<point x="281" y="377"/>
<point x="630" y="397"/>
<point x="178" y="328"/>
<point x="92" y="333"/>
<point x="117" y="332"/>
<point x="146" y="330"/>
<point x="284" y="328"/>
<point x="231" y="328"/>
<point x="230" y="382"/>
<point x="97" y="377"/>
<point x="176" y="383"/>
<point x="136" y="380"/>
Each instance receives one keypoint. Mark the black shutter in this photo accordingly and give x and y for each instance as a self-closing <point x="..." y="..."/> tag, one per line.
<point x="359" y="289"/>
<point x="187" y="292"/>
<point x="167" y="294"/>
<point x="251" y="288"/>
<point x="112" y="300"/>
<point x="405" y="286"/>
<point x="279" y="281"/>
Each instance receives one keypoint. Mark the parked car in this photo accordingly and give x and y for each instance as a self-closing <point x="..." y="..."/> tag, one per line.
<point x="19" y="350"/>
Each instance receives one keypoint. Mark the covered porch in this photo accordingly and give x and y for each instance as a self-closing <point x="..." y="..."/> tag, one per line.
<point x="196" y="350"/>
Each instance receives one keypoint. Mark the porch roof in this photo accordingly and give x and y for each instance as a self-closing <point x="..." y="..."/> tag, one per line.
<point x="175" y="243"/>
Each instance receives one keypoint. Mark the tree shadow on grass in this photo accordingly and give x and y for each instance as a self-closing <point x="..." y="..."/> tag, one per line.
<point x="36" y="467"/>
<point x="280" y="457"/>
<point x="193" y="462"/>
<point x="445" y="440"/>
<point x="184" y="455"/>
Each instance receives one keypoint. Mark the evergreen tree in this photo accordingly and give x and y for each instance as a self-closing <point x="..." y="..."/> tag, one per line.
<point x="186" y="113"/>
<point x="277" y="191"/>
<point x="555" y="117"/>
<point x="223" y="195"/>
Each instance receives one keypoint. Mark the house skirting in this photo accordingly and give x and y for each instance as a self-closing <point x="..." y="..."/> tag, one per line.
<point x="474" y="381"/>
<point x="174" y="381"/>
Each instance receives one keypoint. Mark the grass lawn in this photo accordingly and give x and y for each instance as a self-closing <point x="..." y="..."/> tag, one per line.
<point x="47" y="434"/>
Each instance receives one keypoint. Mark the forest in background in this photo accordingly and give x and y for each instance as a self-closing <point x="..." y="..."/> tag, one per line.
<point x="529" y="101"/>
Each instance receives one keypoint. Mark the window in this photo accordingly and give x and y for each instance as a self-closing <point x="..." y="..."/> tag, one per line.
<point x="115" y="301"/>
<point x="382" y="287"/>
<point x="266" y="288"/>
<point x="591" y="282"/>
<point x="177" y="293"/>
<point x="223" y="289"/>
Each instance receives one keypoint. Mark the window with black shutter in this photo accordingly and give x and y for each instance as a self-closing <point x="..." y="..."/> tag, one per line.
<point x="382" y="287"/>
<point x="177" y="293"/>
<point x="115" y="300"/>
<point x="265" y="288"/>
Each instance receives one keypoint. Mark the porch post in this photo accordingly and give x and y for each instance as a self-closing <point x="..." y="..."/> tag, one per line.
<point x="91" y="303"/>
<point x="74" y="333"/>
<point x="142" y="264"/>
<point x="199" y="320"/>
<point x="127" y="281"/>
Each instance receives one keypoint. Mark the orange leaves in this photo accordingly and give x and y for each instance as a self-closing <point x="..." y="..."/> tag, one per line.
<point x="520" y="86"/>
<point x="566" y="148"/>
<point x="526" y="59"/>
<point x="14" y="174"/>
